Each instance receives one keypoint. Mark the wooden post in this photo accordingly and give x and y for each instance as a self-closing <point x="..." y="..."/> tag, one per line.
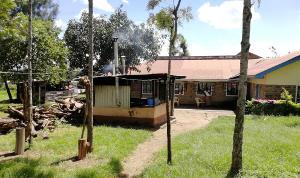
<point x="20" y="140"/>
<point x="82" y="148"/>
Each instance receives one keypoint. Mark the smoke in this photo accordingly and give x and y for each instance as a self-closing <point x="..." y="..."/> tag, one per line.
<point x="108" y="68"/>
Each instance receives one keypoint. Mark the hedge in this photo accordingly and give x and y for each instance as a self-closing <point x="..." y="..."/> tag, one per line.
<point x="283" y="107"/>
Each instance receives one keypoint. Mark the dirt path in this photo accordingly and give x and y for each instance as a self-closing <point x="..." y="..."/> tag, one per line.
<point x="186" y="120"/>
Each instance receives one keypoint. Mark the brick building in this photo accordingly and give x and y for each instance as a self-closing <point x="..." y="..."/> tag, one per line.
<point x="214" y="79"/>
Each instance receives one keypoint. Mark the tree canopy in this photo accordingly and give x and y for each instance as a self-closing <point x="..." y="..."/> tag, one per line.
<point x="43" y="9"/>
<point x="167" y="19"/>
<point x="136" y="42"/>
<point x="49" y="52"/>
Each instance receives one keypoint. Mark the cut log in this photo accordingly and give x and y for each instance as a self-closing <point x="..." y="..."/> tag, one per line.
<point x="15" y="113"/>
<point x="7" y="124"/>
<point x="82" y="148"/>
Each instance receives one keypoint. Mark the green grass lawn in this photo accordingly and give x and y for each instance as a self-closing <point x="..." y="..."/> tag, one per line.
<point x="50" y="158"/>
<point x="271" y="149"/>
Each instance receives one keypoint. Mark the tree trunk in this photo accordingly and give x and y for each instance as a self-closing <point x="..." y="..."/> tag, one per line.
<point x="173" y="36"/>
<point x="29" y="54"/>
<point x="8" y="91"/>
<point x="90" y="100"/>
<point x="237" y="151"/>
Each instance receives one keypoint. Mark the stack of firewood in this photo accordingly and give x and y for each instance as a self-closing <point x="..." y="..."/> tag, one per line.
<point x="69" y="109"/>
<point x="44" y="118"/>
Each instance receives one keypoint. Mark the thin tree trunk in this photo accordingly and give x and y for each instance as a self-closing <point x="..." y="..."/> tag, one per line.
<point x="173" y="36"/>
<point x="169" y="144"/>
<point x="30" y="70"/>
<point x="237" y="151"/>
<point x="8" y="91"/>
<point x="90" y="99"/>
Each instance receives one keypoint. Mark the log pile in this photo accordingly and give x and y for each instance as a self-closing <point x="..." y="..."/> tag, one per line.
<point x="7" y="124"/>
<point x="44" y="118"/>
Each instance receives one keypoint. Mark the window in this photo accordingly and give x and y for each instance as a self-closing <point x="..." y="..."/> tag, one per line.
<point x="257" y="91"/>
<point x="146" y="87"/>
<point x="231" y="89"/>
<point x="205" y="89"/>
<point x="298" y="94"/>
<point x="179" y="89"/>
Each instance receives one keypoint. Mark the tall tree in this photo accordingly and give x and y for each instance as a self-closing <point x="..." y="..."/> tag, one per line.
<point x="90" y="97"/>
<point x="44" y="9"/>
<point x="29" y="56"/>
<point x="237" y="151"/>
<point x="136" y="42"/>
<point x="181" y="48"/>
<point x="49" y="52"/>
<point x="168" y="19"/>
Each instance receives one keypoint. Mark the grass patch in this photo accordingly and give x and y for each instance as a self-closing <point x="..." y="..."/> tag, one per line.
<point x="53" y="157"/>
<point x="271" y="149"/>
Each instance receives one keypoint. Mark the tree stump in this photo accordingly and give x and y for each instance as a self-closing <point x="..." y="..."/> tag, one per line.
<point x="82" y="148"/>
<point x="20" y="140"/>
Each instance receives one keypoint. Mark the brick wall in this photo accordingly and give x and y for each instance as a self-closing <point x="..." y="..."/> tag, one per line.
<point x="218" y="95"/>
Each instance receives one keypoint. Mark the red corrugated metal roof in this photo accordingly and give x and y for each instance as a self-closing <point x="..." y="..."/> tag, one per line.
<point x="196" y="68"/>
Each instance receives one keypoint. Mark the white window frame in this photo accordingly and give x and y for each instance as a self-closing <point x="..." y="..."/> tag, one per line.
<point x="211" y="89"/>
<point x="227" y="87"/>
<point x="181" y="83"/>
<point x="143" y="88"/>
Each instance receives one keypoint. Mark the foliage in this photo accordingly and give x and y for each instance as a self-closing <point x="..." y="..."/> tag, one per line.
<point x="136" y="42"/>
<point x="282" y="107"/>
<point x="285" y="95"/>
<point x="49" y="52"/>
<point x="5" y="8"/>
<point x="271" y="149"/>
<point x="54" y="157"/>
<point x="273" y="107"/>
<point x="181" y="48"/>
<point x="43" y="9"/>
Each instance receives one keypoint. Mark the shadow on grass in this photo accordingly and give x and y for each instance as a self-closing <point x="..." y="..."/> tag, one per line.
<point x="24" y="167"/>
<point x="116" y="165"/>
<point x="7" y="154"/>
<point x="73" y="159"/>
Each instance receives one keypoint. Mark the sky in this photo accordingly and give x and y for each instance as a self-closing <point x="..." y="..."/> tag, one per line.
<point x="216" y="27"/>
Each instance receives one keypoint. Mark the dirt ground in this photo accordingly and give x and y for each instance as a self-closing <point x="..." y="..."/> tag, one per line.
<point x="186" y="120"/>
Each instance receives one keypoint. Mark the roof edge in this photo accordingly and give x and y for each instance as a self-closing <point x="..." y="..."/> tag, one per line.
<point x="262" y="74"/>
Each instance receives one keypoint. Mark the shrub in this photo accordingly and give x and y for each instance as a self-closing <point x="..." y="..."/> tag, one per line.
<point x="283" y="107"/>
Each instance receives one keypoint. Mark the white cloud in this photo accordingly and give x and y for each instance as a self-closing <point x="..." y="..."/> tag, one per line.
<point x="125" y="1"/>
<point x="100" y="4"/>
<point x="196" y="49"/>
<point x="62" y="25"/>
<point x="227" y="15"/>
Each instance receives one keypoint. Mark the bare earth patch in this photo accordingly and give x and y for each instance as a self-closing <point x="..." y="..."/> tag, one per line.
<point x="186" y="120"/>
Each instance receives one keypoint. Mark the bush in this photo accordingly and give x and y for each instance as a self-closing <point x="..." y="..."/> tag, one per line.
<point x="273" y="107"/>
<point x="283" y="107"/>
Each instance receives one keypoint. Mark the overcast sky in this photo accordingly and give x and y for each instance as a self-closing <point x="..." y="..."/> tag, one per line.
<point x="216" y="26"/>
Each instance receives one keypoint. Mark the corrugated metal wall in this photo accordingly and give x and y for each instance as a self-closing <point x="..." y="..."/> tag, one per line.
<point x="105" y="96"/>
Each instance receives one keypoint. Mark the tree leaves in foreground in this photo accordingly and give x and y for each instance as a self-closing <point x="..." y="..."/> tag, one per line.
<point x="136" y="42"/>
<point x="49" y="52"/>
